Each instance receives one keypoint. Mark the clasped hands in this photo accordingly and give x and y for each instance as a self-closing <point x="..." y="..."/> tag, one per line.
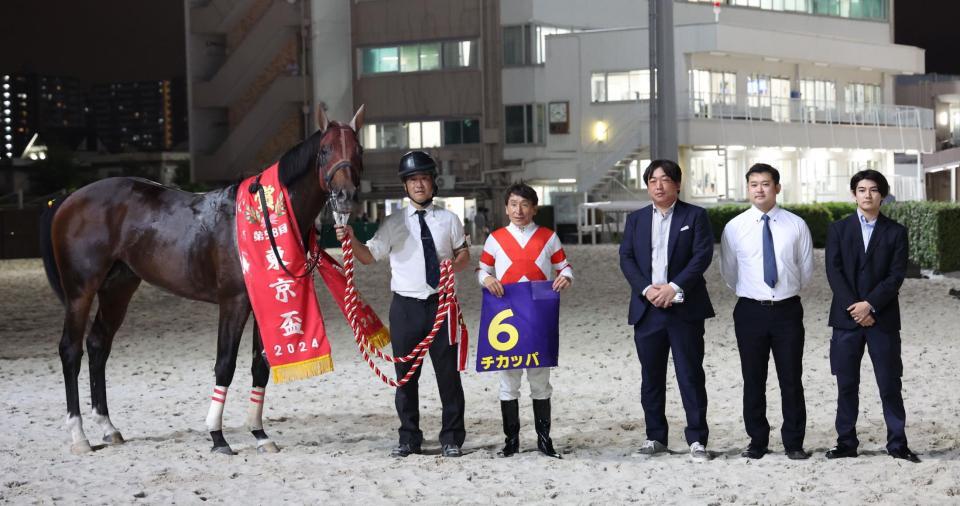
<point x="493" y="285"/>
<point x="861" y="313"/>
<point x="661" y="295"/>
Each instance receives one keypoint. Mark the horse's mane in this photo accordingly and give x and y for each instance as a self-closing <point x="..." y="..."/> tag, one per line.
<point x="300" y="158"/>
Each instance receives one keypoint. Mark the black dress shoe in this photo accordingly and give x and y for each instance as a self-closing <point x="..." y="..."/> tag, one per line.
<point x="754" y="452"/>
<point x="905" y="454"/>
<point x="841" y="452"/>
<point x="404" y="450"/>
<point x="452" y="451"/>
<point x="797" y="454"/>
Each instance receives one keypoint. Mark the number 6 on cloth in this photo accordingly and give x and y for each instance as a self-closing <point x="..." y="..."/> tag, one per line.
<point x="521" y="328"/>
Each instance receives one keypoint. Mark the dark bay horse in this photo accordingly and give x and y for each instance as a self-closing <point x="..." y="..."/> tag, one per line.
<point x="103" y="239"/>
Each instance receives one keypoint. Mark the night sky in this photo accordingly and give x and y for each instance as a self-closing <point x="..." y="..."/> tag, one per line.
<point x="118" y="40"/>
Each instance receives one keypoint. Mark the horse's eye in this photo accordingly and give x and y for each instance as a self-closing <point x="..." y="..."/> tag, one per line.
<point x="324" y="154"/>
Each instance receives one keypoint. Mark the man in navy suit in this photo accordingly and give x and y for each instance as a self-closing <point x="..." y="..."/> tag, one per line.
<point x="666" y="248"/>
<point x="866" y="261"/>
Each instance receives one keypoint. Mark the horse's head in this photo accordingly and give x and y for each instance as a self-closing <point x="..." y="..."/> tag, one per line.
<point x="340" y="161"/>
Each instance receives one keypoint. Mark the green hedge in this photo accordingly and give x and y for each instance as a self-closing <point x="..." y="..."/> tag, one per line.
<point x="934" y="231"/>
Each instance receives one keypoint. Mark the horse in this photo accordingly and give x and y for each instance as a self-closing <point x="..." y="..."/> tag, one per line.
<point x="104" y="239"/>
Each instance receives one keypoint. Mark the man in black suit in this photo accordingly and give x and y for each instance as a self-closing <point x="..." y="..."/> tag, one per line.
<point x="666" y="248"/>
<point x="866" y="261"/>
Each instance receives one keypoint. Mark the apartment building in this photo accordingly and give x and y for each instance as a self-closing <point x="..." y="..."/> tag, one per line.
<point x="942" y="94"/>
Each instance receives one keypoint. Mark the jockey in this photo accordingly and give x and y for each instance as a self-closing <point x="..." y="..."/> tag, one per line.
<point x="523" y="251"/>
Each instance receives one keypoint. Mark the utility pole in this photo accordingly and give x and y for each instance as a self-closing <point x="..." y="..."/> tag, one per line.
<point x="663" y="100"/>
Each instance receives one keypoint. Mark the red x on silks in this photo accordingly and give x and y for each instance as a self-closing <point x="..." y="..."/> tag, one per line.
<point x="523" y="260"/>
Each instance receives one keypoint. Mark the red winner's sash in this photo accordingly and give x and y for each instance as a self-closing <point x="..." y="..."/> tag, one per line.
<point x="285" y="307"/>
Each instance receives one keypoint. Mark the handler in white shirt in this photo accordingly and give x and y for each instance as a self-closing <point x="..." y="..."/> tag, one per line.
<point x="767" y="258"/>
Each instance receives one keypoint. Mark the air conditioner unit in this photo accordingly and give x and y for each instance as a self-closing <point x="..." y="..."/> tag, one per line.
<point x="446" y="181"/>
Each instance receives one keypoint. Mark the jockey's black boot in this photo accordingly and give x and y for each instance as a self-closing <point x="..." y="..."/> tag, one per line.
<point x="511" y="427"/>
<point x="541" y="420"/>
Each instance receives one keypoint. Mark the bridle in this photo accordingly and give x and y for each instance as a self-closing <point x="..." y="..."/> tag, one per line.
<point x="325" y="176"/>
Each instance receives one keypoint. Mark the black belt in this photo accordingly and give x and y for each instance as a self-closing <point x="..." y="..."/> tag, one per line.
<point x="432" y="298"/>
<point x="792" y="300"/>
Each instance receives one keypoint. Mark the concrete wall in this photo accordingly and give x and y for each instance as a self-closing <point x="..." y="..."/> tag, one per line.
<point x="332" y="65"/>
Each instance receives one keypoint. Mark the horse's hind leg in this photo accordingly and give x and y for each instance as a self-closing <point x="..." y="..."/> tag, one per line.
<point x="114" y="295"/>
<point x="71" y="353"/>
<point x="233" y="317"/>
<point x="260" y="370"/>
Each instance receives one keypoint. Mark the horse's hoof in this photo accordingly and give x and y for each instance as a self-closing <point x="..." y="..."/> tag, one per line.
<point x="114" y="439"/>
<point x="81" y="447"/>
<point x="223" y="450"/>
<point x="268" y="447"/>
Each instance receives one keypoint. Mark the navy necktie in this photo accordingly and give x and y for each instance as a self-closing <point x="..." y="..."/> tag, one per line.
<point x="430" y="261"/>
<point x="769" y="259"/>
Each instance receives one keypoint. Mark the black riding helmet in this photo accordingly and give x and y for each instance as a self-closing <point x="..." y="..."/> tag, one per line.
<point x="418" y="162"/>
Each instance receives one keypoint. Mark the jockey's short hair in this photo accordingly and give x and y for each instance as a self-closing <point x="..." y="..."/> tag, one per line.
<point x="522" y="190"/>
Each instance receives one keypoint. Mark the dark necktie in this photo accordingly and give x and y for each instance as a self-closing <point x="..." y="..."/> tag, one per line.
<point x="769" y="259"/>
<point x="430" y="261"/>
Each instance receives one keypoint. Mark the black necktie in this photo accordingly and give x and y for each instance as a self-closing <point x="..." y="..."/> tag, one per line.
<point x="769" y="257"/>
<point x="430" y="261"/>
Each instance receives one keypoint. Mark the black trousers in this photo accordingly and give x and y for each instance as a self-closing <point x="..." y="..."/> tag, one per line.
<point x="410" y="321"/>
<point x="846" y="352"/>
<point x="761" y="330"/>
<point x="656" y="335"/>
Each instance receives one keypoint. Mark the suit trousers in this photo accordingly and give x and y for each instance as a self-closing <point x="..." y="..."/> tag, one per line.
<point x="410" y="321"/>
<point x="846" y="352"/>
<point x="760" y="330"/>
<point x="657" y="334"/>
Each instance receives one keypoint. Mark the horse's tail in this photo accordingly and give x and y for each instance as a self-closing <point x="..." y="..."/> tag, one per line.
<point x="46" y="247"/>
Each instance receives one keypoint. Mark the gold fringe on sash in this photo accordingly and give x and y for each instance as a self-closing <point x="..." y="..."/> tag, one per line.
<point x="380" y="338"/>
<point x="302" y="370"/>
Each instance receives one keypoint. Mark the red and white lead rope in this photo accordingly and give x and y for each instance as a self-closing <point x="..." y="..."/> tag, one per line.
<point x="446" y="293"/>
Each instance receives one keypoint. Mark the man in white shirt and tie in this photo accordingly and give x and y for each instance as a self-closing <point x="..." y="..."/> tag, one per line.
<point x="416" y="239"/>
<point x="767" y="258"/>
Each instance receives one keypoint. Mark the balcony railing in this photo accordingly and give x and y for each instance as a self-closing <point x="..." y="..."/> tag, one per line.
<point x="801" y="110"/>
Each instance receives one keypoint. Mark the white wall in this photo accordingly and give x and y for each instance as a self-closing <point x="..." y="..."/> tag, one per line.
<point x="332" y="64"/>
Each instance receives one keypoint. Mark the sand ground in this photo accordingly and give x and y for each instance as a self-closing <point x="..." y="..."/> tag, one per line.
<point x="337" y="431"/>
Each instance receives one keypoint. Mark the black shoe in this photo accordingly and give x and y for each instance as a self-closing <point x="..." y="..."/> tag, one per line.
<point x="511" y="427"/>
<point x="405" y="450"/>
<point x="797" y="454"/>
<point x="541" y="421"/>
<point x="905" y="454"/>
<point x="452" y="451"/>
<point x="754" y="452"/>
<point x="842" y="452"/>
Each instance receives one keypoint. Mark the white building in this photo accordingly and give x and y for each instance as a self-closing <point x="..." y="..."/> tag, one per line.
<point x="810" y="93"/>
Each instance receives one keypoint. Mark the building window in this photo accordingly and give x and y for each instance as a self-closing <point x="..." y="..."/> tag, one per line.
<point x="623" y="86"/>
<point x="710" y="88"/>
<point x="861" y="97"/>
<point x="465" y="131"/>
<point x="420" y="134"/>
<point x="770" y="96"/>
<point x="854" y="9"/>
<point x="527" y="44"/>
<point x="818" y="95"/>
<point x="703" y="177"/>
<point x="524" y="124"/>
<point x="419" y="57"/>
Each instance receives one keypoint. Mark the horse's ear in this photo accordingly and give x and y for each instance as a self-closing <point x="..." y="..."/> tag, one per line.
<point x="322" y="121"/>
<point x="357" y="122"/>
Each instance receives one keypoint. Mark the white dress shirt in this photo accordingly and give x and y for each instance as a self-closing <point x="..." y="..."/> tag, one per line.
<point x="866" y="228"/>
<point x="399" y="238"/>
<point x="741" y="254"/>
<point x="660" y="248"/>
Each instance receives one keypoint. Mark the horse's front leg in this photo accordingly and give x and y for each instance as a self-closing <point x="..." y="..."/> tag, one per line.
<point x="260" y="370"/>
<point x="233" y="317"/>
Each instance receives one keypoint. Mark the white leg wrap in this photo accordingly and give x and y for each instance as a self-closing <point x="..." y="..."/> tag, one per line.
<point x="215" y="415"/>
<point x="104" y="422"/>
<point x="75" y="426"/>
<point x="255" y="412"/>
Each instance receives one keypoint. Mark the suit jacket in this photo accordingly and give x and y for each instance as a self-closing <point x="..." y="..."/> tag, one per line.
<point x="874" y="276"/>
<point x="689" y="252"/>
